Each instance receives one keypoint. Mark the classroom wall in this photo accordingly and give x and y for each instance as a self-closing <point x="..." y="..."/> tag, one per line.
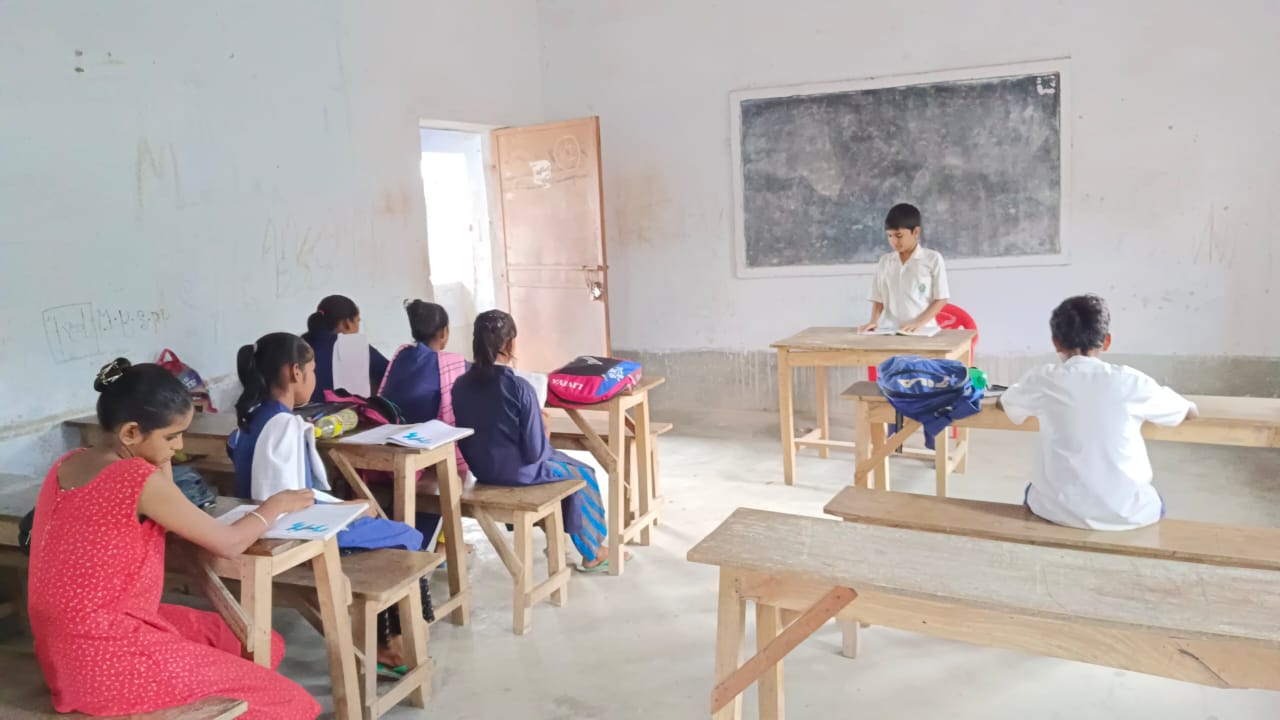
<point x="1172" y="155"/>
<point x="193" y="175"/>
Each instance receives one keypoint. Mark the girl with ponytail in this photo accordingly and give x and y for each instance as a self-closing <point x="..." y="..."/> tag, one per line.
<point x="344" y="358"/>
<point x="275" y="450"/>
<point x="104" y="641"/>
<point x="511" y="445"/>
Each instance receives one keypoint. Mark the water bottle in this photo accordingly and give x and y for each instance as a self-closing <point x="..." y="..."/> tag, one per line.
<point x="331" y="426"/>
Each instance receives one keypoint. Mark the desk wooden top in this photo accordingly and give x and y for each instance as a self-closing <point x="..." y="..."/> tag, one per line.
<point x="208" y="426"/>
<point x="1183" y="540"/>
<point x="1185" y="597"/>
<point x="826" y="339"/>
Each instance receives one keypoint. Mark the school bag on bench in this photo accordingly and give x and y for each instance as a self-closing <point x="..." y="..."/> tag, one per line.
<point x="589" y="380"/>
<point x="933" y="392"/>
<point x="191" y="380"/>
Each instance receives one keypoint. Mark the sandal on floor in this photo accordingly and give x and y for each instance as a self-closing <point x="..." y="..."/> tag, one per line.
<point x="602" y="567"/>
<point x="392" y="673"/>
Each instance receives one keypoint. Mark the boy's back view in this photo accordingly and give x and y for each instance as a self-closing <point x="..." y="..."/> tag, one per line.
<point x="1092" y="471"/>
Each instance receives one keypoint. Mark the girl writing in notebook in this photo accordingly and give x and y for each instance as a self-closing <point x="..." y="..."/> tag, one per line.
<point x="511" y="445"/>
<point x="104" y="641"/>
<point x="343" y="358"/>
<point x="275" y="450"/>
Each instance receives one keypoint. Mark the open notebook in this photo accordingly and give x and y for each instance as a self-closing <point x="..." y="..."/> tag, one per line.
<point x="318" y="522"/>
<point x="423" y="436"/>
<point x="539" y="383"/>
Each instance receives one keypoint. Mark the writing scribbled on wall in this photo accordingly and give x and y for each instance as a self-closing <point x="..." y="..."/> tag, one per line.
<point x="80" y="330"/>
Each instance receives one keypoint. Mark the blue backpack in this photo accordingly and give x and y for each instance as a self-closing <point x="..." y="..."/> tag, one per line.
<point x="932" y="392"/>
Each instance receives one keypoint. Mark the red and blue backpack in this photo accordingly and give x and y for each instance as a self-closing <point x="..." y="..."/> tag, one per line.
<point x="589" y="380"/>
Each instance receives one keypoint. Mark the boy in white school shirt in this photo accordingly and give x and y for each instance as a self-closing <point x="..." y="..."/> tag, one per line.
<point x="1092" y="471"/>
<point x="910" y="286"/>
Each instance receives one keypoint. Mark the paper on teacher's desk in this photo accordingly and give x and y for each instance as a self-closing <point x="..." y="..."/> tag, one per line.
<point x="318" y="522"/>
<point x="539" y="383"/>
<point x="922" y="332"/>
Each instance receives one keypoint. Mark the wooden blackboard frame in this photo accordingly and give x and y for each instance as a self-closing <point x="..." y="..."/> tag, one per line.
<point x="1060" y="66"/>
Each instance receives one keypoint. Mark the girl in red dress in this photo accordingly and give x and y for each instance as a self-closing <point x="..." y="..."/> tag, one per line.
<point x="105" y="643"/>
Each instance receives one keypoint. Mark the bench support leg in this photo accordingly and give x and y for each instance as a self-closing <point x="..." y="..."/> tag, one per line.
<point x="941" y="463"/>
<point x="862" y="444"/>
<point x="824" y="414"/>
<point x="521" y="606"/>
<point x="848" y="638"/>
<point x="645" y="469"/>
<point x="729" y="688"/>
<point x="771" y="694"/>
<point x="882" y="463"/>
<point x="617" y="510"/>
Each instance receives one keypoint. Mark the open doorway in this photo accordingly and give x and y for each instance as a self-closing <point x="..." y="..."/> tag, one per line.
<point x="459" y="233"/>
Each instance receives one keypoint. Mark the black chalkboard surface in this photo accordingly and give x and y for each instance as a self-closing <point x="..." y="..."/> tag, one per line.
<point x="981" y="158"/>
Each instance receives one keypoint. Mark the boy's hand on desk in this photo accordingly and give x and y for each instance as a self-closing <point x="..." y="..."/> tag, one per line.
<point x="911" y="326"/>
<point x="869" y="327"/>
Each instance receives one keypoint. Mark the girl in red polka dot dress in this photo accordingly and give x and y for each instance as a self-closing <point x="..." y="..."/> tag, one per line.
<point x="105" y="643"/>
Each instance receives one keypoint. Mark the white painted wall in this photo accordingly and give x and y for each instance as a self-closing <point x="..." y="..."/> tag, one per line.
<point x="1174" y="159"/>
<point x="219" y="167"/>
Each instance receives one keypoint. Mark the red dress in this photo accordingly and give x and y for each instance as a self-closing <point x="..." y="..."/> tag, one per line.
<point x="104" y="642"/>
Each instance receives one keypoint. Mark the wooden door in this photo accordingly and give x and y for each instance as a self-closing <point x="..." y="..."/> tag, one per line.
<point x="553" y="227"/>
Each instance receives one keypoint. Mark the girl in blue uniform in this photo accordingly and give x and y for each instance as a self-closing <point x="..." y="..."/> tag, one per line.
<point x="337" y="315"/>
<point x="511" y="445"/>
<point x="275" y="450"/>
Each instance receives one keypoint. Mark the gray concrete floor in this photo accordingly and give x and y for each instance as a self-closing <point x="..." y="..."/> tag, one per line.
<point x="641" y="645"/>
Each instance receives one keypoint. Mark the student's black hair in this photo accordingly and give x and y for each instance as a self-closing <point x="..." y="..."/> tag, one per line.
<point x="146" y="394"/>
<point x="494" y="330"/>
<point x="331" y="311"/>
<point x="426" y="320"/>
<point x="259" y="366"/>
<point x="902" y="217"/>
<point x="1081" y="323"/>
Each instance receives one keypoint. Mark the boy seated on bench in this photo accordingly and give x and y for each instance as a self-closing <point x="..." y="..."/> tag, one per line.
<point x="1092" y="470"/>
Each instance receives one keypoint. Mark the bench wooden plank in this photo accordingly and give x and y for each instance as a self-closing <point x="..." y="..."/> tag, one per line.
<point x="562" y="425"/>
<point x="377" y="576"/>
<point x="1184" y="540"/>
<point x="515" y="498"/>
<point x="1197" y="599"/>
<point x="1235" y="421"/>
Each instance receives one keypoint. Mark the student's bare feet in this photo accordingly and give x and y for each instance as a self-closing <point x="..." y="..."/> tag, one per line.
<point x="392" y="653"/>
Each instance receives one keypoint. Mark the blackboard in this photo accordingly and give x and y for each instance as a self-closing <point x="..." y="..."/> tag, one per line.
<point x="981" y="157"/>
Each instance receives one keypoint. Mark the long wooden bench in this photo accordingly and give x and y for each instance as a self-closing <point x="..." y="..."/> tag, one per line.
<point x="379" y="579"/>
<point x="1234" y="421"/>
<point x="24" y="696"/>
<point x="523" y="507"/>
<point x="1214" y="623"/>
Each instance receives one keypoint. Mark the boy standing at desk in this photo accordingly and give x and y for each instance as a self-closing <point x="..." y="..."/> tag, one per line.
<point x="910" y="286"/>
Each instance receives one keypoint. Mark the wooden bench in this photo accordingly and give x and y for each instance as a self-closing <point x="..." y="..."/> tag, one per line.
<point x="524" y="507"/>
<point x="1234" y="421"/>
<point x="24" y="696"/>
<point x="378" y="580"/>
<point x="1208" y="618"/>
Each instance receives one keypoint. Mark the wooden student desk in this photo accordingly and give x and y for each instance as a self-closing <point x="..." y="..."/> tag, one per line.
<point x="824" y="347"/>
<point x="1235" y="421"/>
<point x="250" y="617"/>
<point x="628" y="412"/>
<point x="207" y="436"/>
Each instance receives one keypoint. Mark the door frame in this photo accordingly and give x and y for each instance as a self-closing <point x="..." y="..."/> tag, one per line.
<point x="493" y="207"/>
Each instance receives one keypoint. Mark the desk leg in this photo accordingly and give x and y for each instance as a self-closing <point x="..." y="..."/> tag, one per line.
<point x="616" y="468"/>
<point x="731" y="621"/>
<point x="644" y="462"/>
<point x="824" y="414"/>
<point x="769" y="687"/>
<point x="454" y="549"/>
<point x="941" y="462"/>
<point x="861" y="443"/>
<point x="334" y="600"/>
<point x="877" y="443"/>
<point x="785" y="415"/>
<point x="962" y="442"/>
<point x="405" y="482"/>
<point x="255" y="599"/>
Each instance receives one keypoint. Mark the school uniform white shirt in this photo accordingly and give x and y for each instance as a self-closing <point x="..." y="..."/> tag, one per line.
<point x="907" y="289"/>
<point x="1092" y="469"/>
